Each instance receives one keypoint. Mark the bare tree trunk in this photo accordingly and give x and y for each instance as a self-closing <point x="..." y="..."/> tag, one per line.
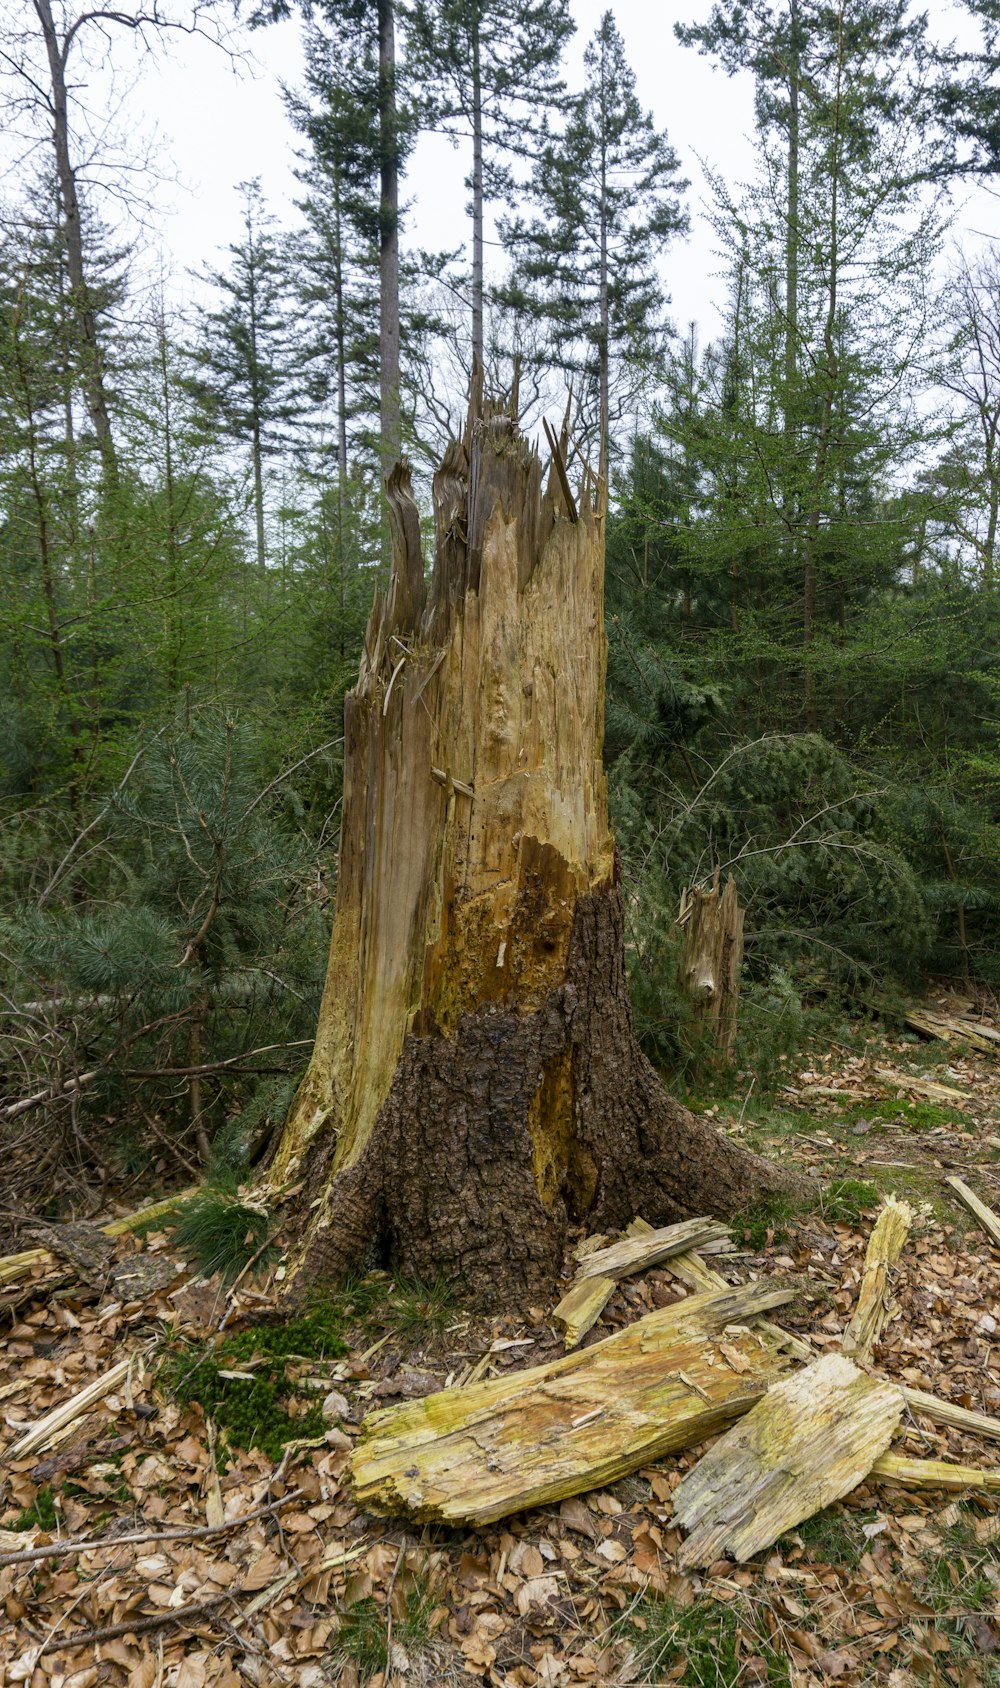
<point x="83" y="310"/>
<point x="477" y="200"/>
<point x="476" y="1081"/>
<point x="389" y="238"/>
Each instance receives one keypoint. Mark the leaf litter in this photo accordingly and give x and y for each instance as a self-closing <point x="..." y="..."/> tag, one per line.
<point x="264" y="1571"/>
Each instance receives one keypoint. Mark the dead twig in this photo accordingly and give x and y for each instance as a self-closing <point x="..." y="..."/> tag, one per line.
<point x="61" y="1549"/>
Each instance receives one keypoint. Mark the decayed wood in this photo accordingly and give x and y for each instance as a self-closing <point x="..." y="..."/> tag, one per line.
<point x="42" y="1433"/>
<point x="582" y="1306"/>
<point x="925" y="1087"/>
<point x="14" y="1268"/>
<point x="637" y="1254"/>
<point x="695" y="1273"/>
<point x="712" y="921"/>
<point x="874" y="1304"/>
<point x="587" y="1297"/>
<point x="813" y="1438"/>
<point x="934" y="1474"/>
<point x="476" y="1454"/>
<point x="987" y="1218"/>
<point x="951" y="1415"/>
<point x="930" y="1023"/>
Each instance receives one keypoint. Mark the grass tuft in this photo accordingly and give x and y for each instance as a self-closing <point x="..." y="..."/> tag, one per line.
<point x="221" y="1231"/>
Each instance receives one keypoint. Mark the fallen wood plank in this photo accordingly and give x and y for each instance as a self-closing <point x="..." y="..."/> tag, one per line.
<point x="874" y="1304"/>
<point x="951" y="1415"/>
<point x="635" y="1254"/>
<point x="476" y="1454"/>
<point x="930" y="1023"/>
<point x="582" y="1306"/>
<point x="925" y="1087"/>
<point x="587" y="1297"/>
<point x="61" y="1417"/>
<point x="812" y="1439"/>
<point x="987" y="1218"/>
<point x="15" y="1267"/>
<point x="934" y="1474"/>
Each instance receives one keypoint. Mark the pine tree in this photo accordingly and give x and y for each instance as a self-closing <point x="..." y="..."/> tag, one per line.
<point x="607" y="193"/>
<point x="244" y="359"/>
<point x="490" y="69"/>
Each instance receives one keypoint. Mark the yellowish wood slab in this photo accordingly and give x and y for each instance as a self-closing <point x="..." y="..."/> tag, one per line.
<point x="638" y="1253"/>
<point x="666" y="1382"/>
<point x="810" y="1440"/>
<point x="934" y="1474"/>
<point x="582" y="1306"/>
<point x="874" y="1304"/>
<point x="987" y="1218"/>
<point x="951" y="1415"/>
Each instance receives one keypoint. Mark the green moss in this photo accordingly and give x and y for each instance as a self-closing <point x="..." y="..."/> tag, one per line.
<point x="765" y="1223"/>
<point x="40" y="1515"/>
<point x="847" y="1199"/>
<point x="252" y="1411"/>
<point x="914" y="1116"/>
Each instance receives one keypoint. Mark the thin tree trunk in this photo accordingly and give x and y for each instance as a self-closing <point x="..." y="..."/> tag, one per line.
<point x="258" y="492"/>
<point x="477" y="198"/>
<point x="390" y="425"/>
<point x="83" y="310"/>
<point x="605" y="381"/>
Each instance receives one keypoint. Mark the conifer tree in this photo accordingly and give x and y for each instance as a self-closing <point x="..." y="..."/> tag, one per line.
<point x="490" y="70"/>
<point x="244" y="362"/>
<point x="608" y="200"/>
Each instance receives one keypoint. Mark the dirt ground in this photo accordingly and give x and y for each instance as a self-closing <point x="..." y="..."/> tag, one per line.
<point x="889" y="1586"/>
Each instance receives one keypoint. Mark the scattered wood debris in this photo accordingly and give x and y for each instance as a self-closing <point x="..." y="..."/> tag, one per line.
<point x="929" y="1022"/>
<point x="812" y="1439"/>
<point x="601" y="1268"/>
<point x="987" y="1218"/>
<point x="476" y="1454"/>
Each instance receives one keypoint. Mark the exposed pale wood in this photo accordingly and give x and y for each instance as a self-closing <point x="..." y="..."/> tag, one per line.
<point x="934" y="1474"/>
<point x="987" y="1218"/>
<point x="925" y="1087"/>
<point x="874" y="1304"/>
<point x="587" y="1297"/>
<point x="582" y="1306"/>
<point x="930" y="1023"/>
<point x="692" y="1270"/>
<point x="155" y="1210"/>
<point x="14" y="1267"/>
<point x="637" y="1254"/>
<point x="476" y="1454"/>
<point x="813" y="1438"/>
<point x="951" y="1415"/>
<point x="41" y="1434"/>
<point x="712" y="957"/>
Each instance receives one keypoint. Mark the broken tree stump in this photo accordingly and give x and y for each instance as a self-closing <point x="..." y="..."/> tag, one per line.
<point x="874" y="1304"/>
<point x="813" y="1438"/>
<point x="476" y="1454"/>
<point x="712" y="921"/>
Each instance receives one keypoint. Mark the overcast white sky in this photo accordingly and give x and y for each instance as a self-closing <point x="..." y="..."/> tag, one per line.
<point x="216" y="127"/>
<point x="220" y="129"/>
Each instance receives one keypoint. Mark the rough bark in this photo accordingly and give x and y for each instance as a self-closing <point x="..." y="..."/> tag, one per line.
<point x="476" y="1081"/>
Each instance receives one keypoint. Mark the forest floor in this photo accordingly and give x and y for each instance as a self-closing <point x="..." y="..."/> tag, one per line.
<point x="257" y="1566"/>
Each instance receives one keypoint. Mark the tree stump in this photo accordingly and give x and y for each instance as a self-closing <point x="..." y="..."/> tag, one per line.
<point x="476" y="1081"/>
<point x="711" y="960"/>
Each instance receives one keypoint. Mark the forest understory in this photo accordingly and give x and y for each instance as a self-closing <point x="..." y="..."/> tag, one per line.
<point x="206" y="1487"/>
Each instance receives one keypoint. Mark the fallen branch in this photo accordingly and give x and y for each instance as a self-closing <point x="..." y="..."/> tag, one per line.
<point x="987" y="1218"/>
<point x="950" y="1415"/>
<point x="648" y="1248"/>
<point x="40" y="1434"/>
<point x="934" y="1474"/>
<point x="925" y="1087"/>
<point x="134" y="1626"/>
<point x="197" y="1532"/>
<point x="477" y="1453"/>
